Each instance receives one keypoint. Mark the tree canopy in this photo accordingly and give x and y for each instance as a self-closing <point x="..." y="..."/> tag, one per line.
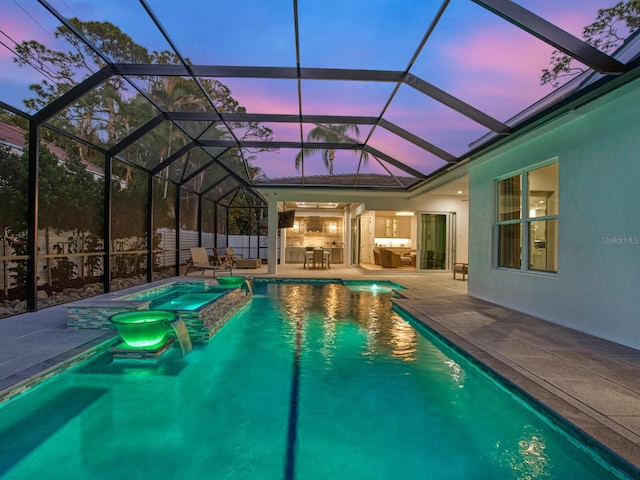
<point x="69" y="197"/>
<point x="109" y="113"/>
<point x="609" y="30"/>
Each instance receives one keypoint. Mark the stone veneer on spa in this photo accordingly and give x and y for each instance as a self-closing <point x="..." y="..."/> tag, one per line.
<point x="201" y="324"/>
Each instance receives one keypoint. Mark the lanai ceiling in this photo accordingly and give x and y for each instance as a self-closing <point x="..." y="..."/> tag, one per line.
<point x="388" y="94"/>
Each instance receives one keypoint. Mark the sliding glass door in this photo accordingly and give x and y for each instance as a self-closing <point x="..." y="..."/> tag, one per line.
<point x="437" y="241"/>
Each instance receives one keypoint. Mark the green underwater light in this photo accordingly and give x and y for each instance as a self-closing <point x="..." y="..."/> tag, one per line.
<point x="143" y="328"/>
<point x="231" y="282"/>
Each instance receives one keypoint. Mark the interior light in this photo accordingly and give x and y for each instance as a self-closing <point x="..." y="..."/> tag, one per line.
<point x="404" y="214"/>
<point x="317" y="204"/>
<point x="459" y="192"/>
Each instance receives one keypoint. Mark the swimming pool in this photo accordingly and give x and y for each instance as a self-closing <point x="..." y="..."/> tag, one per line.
<point x="311" y="381"/>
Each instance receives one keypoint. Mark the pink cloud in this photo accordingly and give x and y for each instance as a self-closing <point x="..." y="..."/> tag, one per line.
<point x="264" y="95"/>
<point x="570" y="16"/>
<point x="495" y="73"/>
<point x="18" y="27"/>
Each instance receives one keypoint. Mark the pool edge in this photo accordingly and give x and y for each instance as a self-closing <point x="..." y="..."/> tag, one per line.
<point x="602" y="438"/>
<point x="46" y="370"/>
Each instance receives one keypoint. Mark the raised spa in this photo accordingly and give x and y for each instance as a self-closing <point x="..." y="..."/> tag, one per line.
<point x="203" y="308"/>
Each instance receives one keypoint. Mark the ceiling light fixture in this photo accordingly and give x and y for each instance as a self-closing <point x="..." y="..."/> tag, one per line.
<point x="404" y="214"/>
<point x="316" y="204"/>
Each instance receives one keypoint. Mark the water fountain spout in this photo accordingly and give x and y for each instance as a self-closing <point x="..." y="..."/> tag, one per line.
<point x="182" y="334"/>
<point x="247" y="282"/>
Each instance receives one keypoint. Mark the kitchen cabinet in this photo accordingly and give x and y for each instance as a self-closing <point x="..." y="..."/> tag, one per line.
<point x="393" y="227"/>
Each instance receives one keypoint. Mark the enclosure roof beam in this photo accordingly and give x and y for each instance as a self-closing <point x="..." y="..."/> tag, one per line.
<point x="285" y="73"/>
<point x="271" y="117"/>
<point x="316" y="119"/>
<point x="202" y="168"/>
<point x="14" y="110"/>
<point x="74" y="137"/>
<point x="320" y="74"/>
<point x="270" y="144"/>
<point x="394" y="162"/>
<point x="139" y="133"/>
<point x="72" y="95"/>
<point x="446" y="156"/>
<point x="456" y="104"/>
<point x="172" y="158"/>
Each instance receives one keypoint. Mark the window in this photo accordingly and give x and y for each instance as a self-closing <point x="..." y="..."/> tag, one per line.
<point x="527" y="219"/>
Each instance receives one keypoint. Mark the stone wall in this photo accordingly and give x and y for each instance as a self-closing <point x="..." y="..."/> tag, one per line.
<point x="202" y="324"/>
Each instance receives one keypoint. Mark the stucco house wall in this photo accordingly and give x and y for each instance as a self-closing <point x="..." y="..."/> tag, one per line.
<point x="597" y="286"/>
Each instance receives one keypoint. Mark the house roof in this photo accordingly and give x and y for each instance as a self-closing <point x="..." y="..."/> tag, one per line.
<point x="12" y="136"/>
<point x="15" y="138"/>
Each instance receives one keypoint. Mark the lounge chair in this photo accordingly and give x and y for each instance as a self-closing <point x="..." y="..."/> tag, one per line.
<point x="200" y="261"/>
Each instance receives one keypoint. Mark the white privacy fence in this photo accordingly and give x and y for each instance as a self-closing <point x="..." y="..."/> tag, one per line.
<point x="70" y="251"/>
<point x="249" y="246"/>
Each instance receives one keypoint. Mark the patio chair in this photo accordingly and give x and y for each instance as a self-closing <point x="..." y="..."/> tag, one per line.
<point x="462" y="269"/>
<point x="220" y="259"/>
<point x="232" y="255"/>
<point x="200" y="261"/>
<point x="389" y="259"/>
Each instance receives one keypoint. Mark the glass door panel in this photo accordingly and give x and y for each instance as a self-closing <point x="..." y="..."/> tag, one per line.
<point x="355" y="241"/>
<point x="436" y="244"/>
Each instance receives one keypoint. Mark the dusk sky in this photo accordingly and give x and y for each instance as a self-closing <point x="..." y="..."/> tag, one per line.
<point x="472" y="54"/>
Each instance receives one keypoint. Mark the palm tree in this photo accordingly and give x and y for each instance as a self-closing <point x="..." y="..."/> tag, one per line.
<point x="329" y="134"/>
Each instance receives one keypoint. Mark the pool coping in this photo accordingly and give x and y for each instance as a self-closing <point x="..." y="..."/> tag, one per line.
<point x="48" y="369"/>
<point x="592" y="427"/>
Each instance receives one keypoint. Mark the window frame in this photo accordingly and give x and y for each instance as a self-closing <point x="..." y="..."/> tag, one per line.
<point x="525" y="220"/>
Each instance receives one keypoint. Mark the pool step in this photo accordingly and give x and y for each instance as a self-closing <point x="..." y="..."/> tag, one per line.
<point x="123" y="351"/>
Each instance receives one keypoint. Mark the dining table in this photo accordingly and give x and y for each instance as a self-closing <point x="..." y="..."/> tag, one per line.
<point x="326" y="257"/>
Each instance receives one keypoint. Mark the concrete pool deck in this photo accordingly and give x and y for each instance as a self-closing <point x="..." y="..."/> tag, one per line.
<point x="593" y="383"/>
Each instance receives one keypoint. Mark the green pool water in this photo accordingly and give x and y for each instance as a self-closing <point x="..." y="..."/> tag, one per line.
<point x="180" y="296"/>
<point x="184" y="300"/>
<point x="312" y="381"/>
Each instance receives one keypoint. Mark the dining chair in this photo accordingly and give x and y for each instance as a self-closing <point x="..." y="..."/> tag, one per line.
<point x="318" y="258"/>
<point x="308" y="257"/>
